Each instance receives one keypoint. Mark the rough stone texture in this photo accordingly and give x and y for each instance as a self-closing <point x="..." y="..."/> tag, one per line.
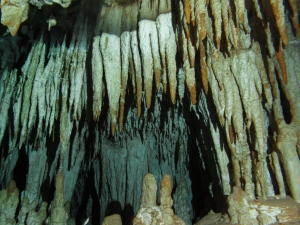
<point x="112" y="220"/>
<point x="149" y="212"/>
<point x="223" y="119"/>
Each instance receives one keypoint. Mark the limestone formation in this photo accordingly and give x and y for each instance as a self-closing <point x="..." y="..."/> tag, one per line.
<point x="150" y="212"/>
<point x="94" y="94"/>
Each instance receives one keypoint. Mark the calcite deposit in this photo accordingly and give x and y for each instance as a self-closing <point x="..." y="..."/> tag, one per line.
<point x="99" y="99"/>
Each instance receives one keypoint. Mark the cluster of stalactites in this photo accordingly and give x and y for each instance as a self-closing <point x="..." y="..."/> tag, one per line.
<point x="145" y="53"/>
<point x="242" y="85"/>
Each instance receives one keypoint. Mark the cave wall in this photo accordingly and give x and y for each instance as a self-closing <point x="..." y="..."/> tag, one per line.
<point x="97" y="94"/>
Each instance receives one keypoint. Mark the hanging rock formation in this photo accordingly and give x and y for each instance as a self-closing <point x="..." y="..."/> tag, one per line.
<point x="96" y="95"/>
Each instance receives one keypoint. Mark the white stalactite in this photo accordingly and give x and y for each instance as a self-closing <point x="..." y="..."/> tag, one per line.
<point x="37" y="85"/>
<point x="167" y="48"/>
<point x="125" y="55"/>
<point x="30" y="76"/>
<point x="7" y="85"/>
<point x="97" y="75"/>
<point x="149" y="54"/>
<point x="80" y="71"/>
<point x="111" y="52"/>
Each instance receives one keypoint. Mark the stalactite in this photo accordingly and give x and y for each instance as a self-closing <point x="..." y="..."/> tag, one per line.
<point x="278" y="12"/>
<point x="240" y="6"/>
<point x="110" y="49"/>
<point x="216" y="9"/>
<point x="242" y="120"/>
<point x="80" y="71"/>
<point x="97" y="67"/>
<point x="37" y="85"/>
<point x="138" y="72"/>
<point x="280" y="59"/>
<point x="149" y="53"/>
<point x="167" y="48"/>
<point x="276" y="169"/>
<point x="7" y="86"/>
<point x="30" y="76"/>
<point x="125" y="54"/>
<point x="295" y="16"/>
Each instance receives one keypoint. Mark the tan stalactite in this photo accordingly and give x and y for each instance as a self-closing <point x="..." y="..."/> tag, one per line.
<point x="138" y="71"/>
<point x="225" y="6"/>
<point x="187" y="10"/>
<point x="200" y="14"/>
<point x="295" y="16"/>
<point x="287" y="138"/>
<point x="240" y="6"/>
<point x="234" y="30"/>
<point x="216" y="9"/>
<point x="187" y="62"/>
<point x="280" y="59"/>
<point x="278" y="11"/>
<point x="203" y="68"/>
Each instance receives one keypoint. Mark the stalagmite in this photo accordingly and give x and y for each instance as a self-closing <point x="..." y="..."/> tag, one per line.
<point x="112" y="220"/>
<point x="58" y="214"/>
<point x="149" y="212"/>
<point x="110" y="49"/>
<point x="9" y="200"/>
